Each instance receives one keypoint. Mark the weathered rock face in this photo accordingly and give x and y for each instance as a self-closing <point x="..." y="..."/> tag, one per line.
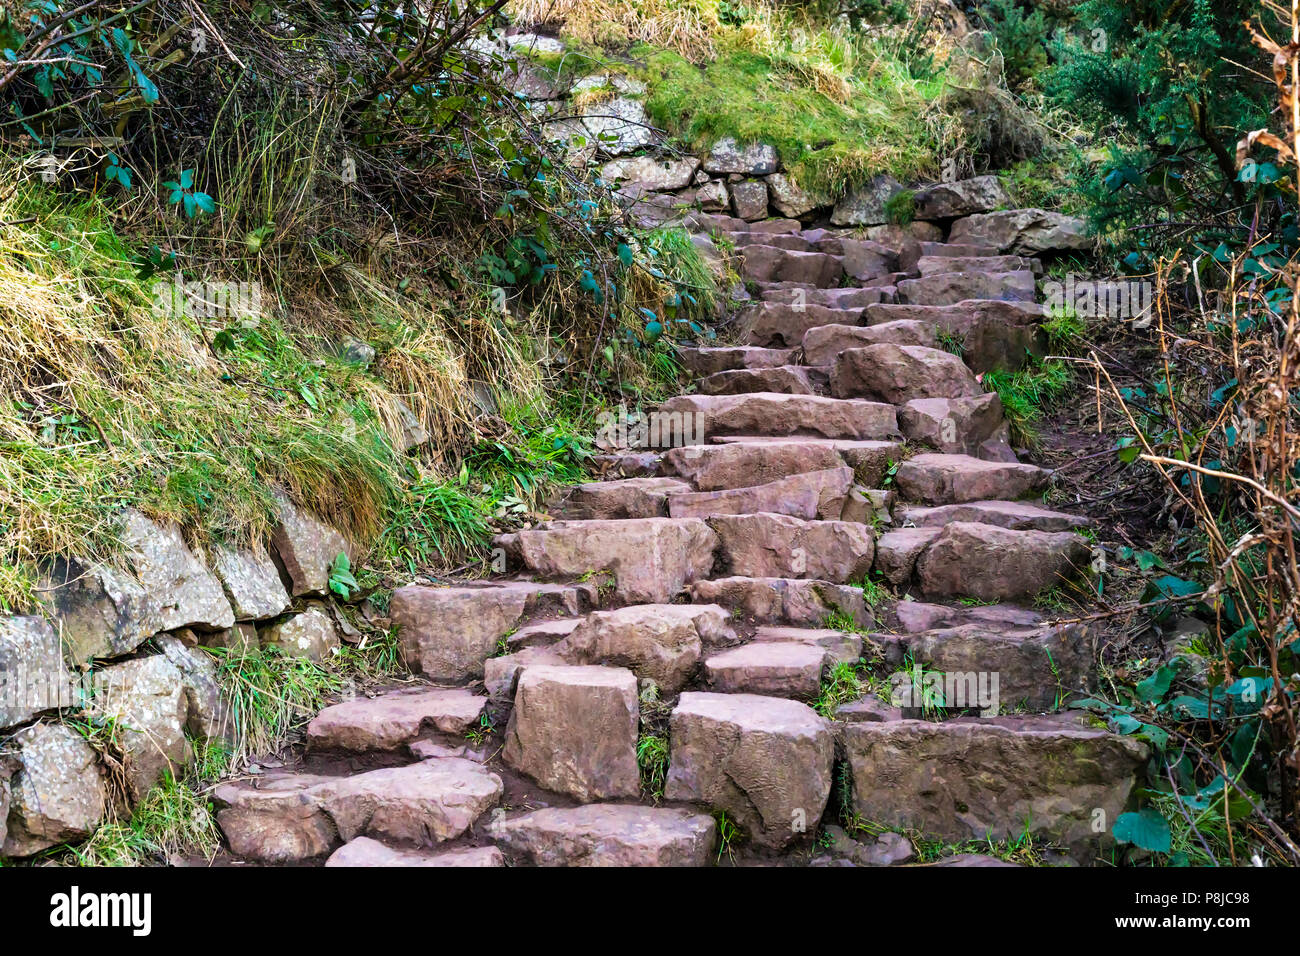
<point x="307" y="548"/>
<point x="33" y="676"/>
<point x="626" y="498"/>
<point x="952" y="479"/>
<point x="765" y="413"/>
<point x="277" y="821"/>
<point x="962" y="198"/>
<point x="393" y="720"/>
<point x="949" y="288"/>
<point x="789" y="199"/>
<point x="975" y="779"/>
<point x="1023" y="231"/>
<point x="649" y="173"/>
<point x="897" y="551"/>
<point x="447" y="633"/>
<point x="422" y="803"/>
<point x="147" y="699"/>
<point x="363" y="851"/>
<point x="783" y="600"/>
<point x="899" y="373"/>
<point x="651" y="559"/>
<point x="811" y="495"/>
<point x="752" y="159"/>
<point x="1037" y="668"/>
<point x="57" y="794"/>
<point x="822" y="345"/>
<point x="998" y="564"/>
<point x="310" y="634"/>
<point x="619" y="126"/>
<point x="779" y="546"/>
<point x="252" y="583"/>
<point x="764" y="760"/>
<point x="747" y="464"/>
<point x="186" y="592"/>
<point x="789" y="380"/>
<point x="749" y="199"/>
<point x="866" y="206"/>
<point x="606" y="834"/>
<point x="772" y="668"/>
<point x="574" y="730"/>
<point x="662" y="642"/>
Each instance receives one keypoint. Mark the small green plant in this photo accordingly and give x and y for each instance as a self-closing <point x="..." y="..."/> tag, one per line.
<point x="841" y="620"/>
<point x="1027" y="393"/>
<point x="652" y="757"/>
<point x="480" y="732"/>
<point x="174" y="818"/>
<point x="843" y="684"/>
<point x="342" y="582"/>
<point x="191" y="200"/>
<point x="900" y="208"/>
<point x="728" y="834"/>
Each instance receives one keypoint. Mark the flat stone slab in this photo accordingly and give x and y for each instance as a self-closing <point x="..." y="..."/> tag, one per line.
<point x="624" y="498"/>
<point x="839" y="646"/>
<point x="773" y="668"/>
<point x="785" y="379"/>
<point x="772" y="414"/>
<point x="363" y="851"/>
<point x="934" y="479"/>
<point x="811" y="496"/>
<point x="784" y="324"/>
<point x="914" y="616"/>
<point x="394" y="720"/>
<point x="996" y="564"/>
<point x="1015" y="515"/>
<point x="949" y="288"/>
<point x="607" y="834"/>
<point x="710" y="360"/>
<point x="897" y="551"/>
<point x="747" y="464"/>
<point x="764" y="760"/>
<point x="823" y="344"/>
<point x="784" y="600"/>
<point x="779" y="546"/>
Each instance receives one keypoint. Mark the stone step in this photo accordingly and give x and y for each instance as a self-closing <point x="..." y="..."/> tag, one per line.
<point x="996" y="668"/>
<point x="772" y="668"/>
<point x="840" y="647"/>
<point x="792" y="293"/>
<point x="784" y="379"/>
<point x="997" y="564"/>
<point x="747" y="240"/>
<point x="288" y="818"/>
<point x="393" y="720"/>
<point x="1023" y="231"/>
<point x="447" y="633"/>
<point x="862" y="259"/>
<point x="659" y="642"/>
<point x="936" y="479"/>
<point x="723" y="223"/>
<point x="623" y="498"/>
<point x="993" y="779"/>
<point x="916" y="616"/>
<point x="608" y="834"/>
<point x="542" y="633"/>
<point x="779" y="546"/>
<point x="899" y="373"/>
<point x="783" y="324"/>
<point x="949" y="288"/>
<point x="810" y="495"/>
<point x="766" y="761"/>
<point x="364" y="851"/>
<point x="574" y="730"/>
<point x="959" y="426"/>
<point x="897" y="551"/>
<point x="1016" y="515"/>
<point x="739" y="465"/>
<point x="991" y="334"/>
<point x="823" y="344"/>
<point x="702" y="362"/>
<point x="774" y="415"/>
<point x="870" y="460"/>
<point x="649" y="559"/>
<point x="794" y="601"/>
<point x="933" y="265"/>
<point x="768" y="264"/>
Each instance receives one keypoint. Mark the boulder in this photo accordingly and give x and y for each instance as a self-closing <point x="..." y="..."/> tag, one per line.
<point x="773" y="668"/>
<point x="933" y="265"/>
<point x="712" y="196"/>
<point x="784" y="324"/>
<point x="915" y="616"/>
<point x="823" y="344"/>
<point x="184" y="591"/>
<point x="607" y="834"/>
<point x="962" y="198"/>
<point x="955" y="426"/>
<point x="789" y="199"/>
<point x="207" y="712"/>
<point x="310" y="634"/>
<point x="976" y="780"/>
<point x="949" y="288"/>
<point x="1016" y="515"/>
<point x="779" y="546"/>
<point x="252" y="583"/>
<point x="749" y="199"/>
<point x="865" y="206"/>
<point x="702" y="362"/>
<point x="995" y="564"/>
<point x="752" y="159"/>
<point x="307" y="549"/>
<point x="619" y="126"/>
<point x="33" y="676"/>
<point x="899" y="373"/>
<point x="764" y="263"/>
<point x="766" y="761"/>
<point x="625" y="498"/>
<point x="749" y="464"/>
<point x="897" y="551"/>
<point x="1023" y="231"/>
<point x="57" y="794"/>
<point x="501" y="673"/>
<point x="363" y="851"/>
<point x="661" y="642"/>
<point x="394" y="720"/>
<point x="846" y="297"/>
<point x="990" y="334"/>
<point x="651" y="173"/>
<point x="574" y="730"/>
<point x="651" y="559"/>
<point x="275" y="819"/>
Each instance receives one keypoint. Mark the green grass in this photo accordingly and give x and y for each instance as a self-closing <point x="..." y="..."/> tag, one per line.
<point x="843" y="684"/>
<point x="1027" y="394"/>
<point x="652" y="757"/>
<point x="173" y="818"/>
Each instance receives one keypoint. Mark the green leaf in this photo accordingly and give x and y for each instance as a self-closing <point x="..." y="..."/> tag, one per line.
<point x="1146" y="830"/>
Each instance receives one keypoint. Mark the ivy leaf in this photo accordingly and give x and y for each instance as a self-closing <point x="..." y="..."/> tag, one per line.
<point x="1146" y="830"/>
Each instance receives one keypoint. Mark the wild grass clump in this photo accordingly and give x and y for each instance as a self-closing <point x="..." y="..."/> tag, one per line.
<point x="1028" y="393"/>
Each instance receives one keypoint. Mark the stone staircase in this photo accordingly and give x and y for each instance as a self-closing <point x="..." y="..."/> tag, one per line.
<point x="705" y="590"/>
